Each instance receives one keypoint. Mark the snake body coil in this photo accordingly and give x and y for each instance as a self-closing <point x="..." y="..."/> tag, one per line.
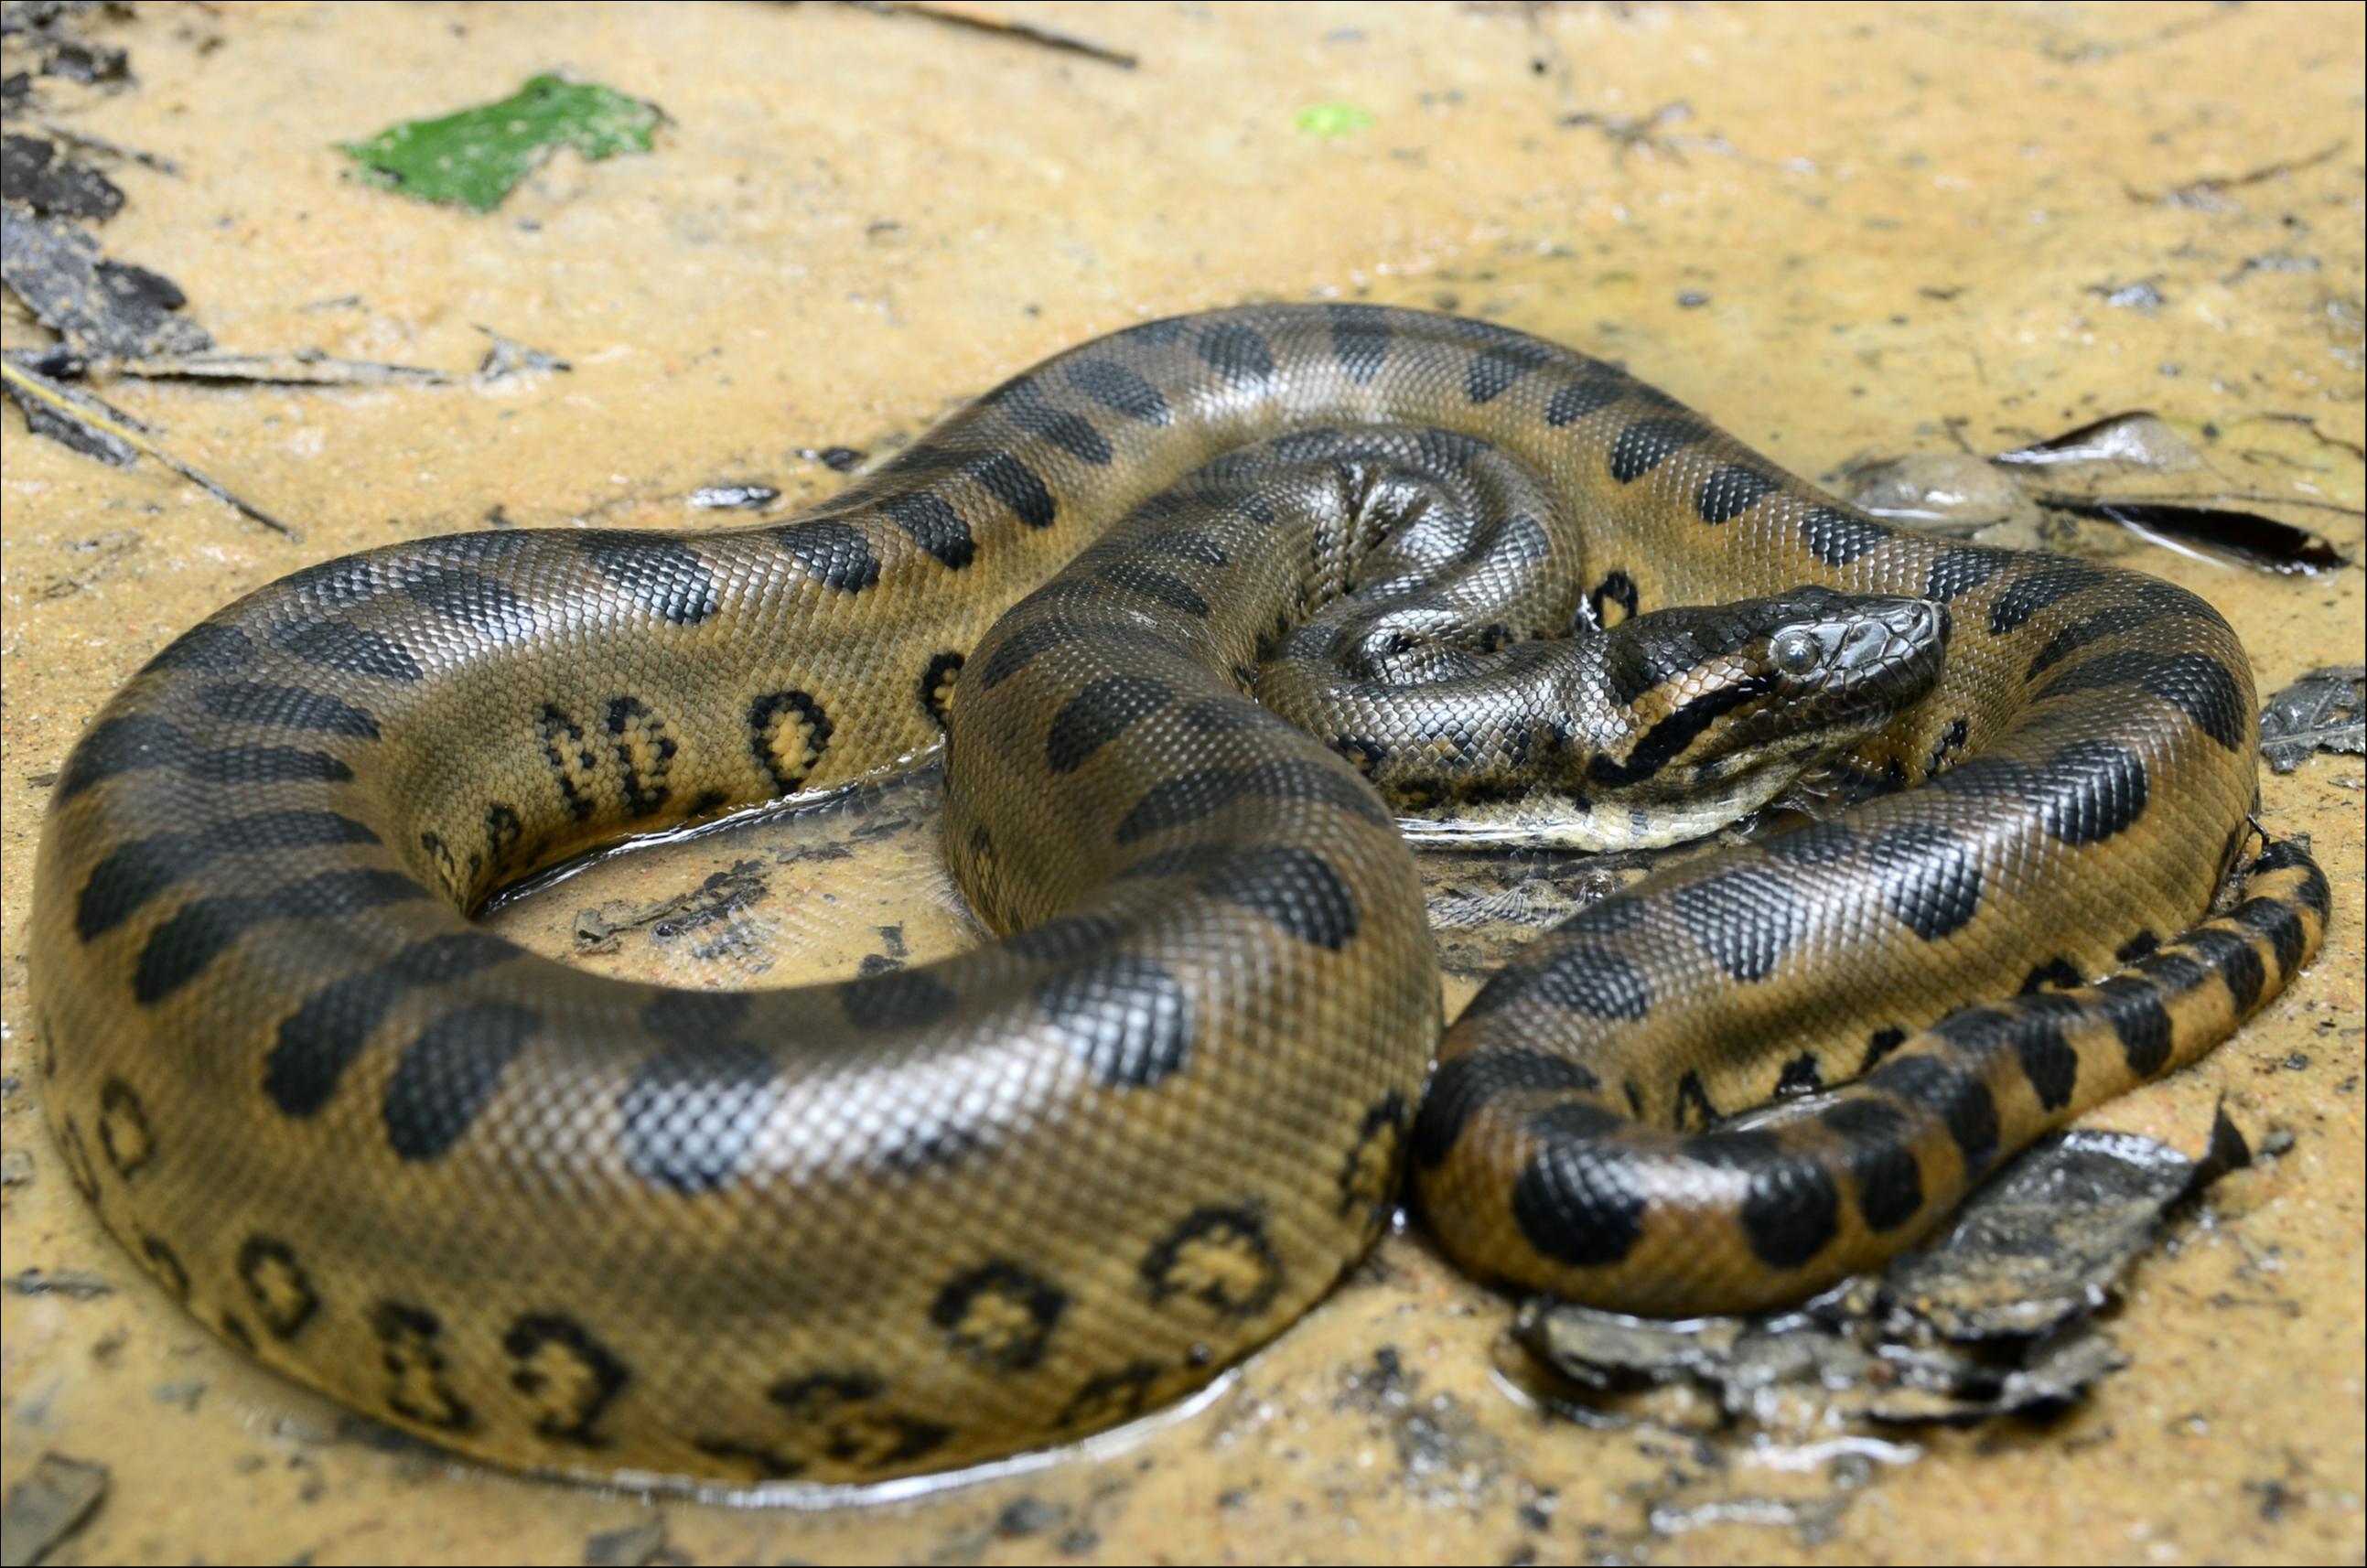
<point x="930" y="1216"/>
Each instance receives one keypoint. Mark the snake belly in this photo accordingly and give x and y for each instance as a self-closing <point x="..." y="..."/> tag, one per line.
<point x="563" y="1222"/>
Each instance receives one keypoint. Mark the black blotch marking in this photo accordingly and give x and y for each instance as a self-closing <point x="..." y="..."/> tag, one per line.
<point x="1819" y="843"/>
<point x="2033" y="1027"/>
<point x="569" y="751"/>
<point x="1111" y="1396"/>
<point x="136" y="871"/>
<point x="1877" y="1144"/>
<point x="1360" y="339"/>
<point x="1693" y="1108"/>
<point x="1986" y="778"/>
<point x="2285" y="855"/>
<point x="2275" y="921"/>
<point x="321" y="1039"/>
<point x="212" y="646"/>
<point x="1618" y="588"/>
<point x="1588" y="394"/>
<point x="2195" y="684"/>
<point x="697" y="1017"/>
<point x="768" y="719"/>
<point x="1732" y="490"/>
<point x="1164" y="586"/>
<point x="1218" y="1256"/>
<point x="834" y="554"/>
<point x="999" y="1315"/>
<point x="1589" y="977"/>
<point x="1100" y="712"/>
<point x="1932" y="878"/>
<point x="276" y="1282"/>
<point x="2133" y="1008"/>
<point x="166" y="1264"/>
<point x="444" y="1078"/>
<point x="1022" y="401"/>
<point x="664" y="577"/>
<point x="1126" y="1018"/>
<point x="569" y="1399"/>
<point x="2043" y="589"/>
<point x="287" y="707"/>
<point x="1195" y="796"/>
<point x="348" y="580"/>
<point x="692" y="1110"/>
<point x="1838" y="538"/>
<point x="896" y="998"/>
<point x="1800" y="1076"/>
<point x="124" y="1134"/>
<point x="2059" y="971"/>
<point x="1573" y="1120"/>
<point x="1065" y="939"/>
<point x="1962" y="1101"/>
<point x="2111" y="621"/>
<point x="1957" y="572"/>
<point x="2175" y="970"/>
<point x="1791" y="1207"/>
<point x="1018" y="487"/>
<point x="644" y="753"/>
<point x="2235" y="962"/>
<point x="1645" y="443"/>
<point x="1577" y="1206"/>
<point x="1186" y="545"/>
<point x="1466" y="1085"/>
<point x="2091" y="790"/>
<point x="468" y="599"/>
<point x="1297" y="890"/>
<point x="75" y="1156"/>
<point x="935" y="526"/>
<point x="180" y="949"/>
<point x="1119" y="389"/>
<point x="1238" y="354"/>
<point x="1369" y="1175"/>
<point x="1494" y="370"/>
<point x="415" y="1363"/>
<point x="348" y="649"/>
<point x="2142" y="945"/>
<point x="1746" y="920"/>
<point x="1952" y="740"/>
<point x="937" y="685"/>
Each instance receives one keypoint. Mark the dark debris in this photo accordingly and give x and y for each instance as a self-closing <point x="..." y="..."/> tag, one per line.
<point x="101" y="307"/>
<point x="48" y="1505"/>
<point x="31" y="172"/>
<point x="2326" y="710"/>
<point x="717" y="898"/>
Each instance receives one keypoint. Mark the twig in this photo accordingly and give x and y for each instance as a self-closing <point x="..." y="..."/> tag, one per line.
<point x="41" y="390"/>
<point x="1010" y="26"/>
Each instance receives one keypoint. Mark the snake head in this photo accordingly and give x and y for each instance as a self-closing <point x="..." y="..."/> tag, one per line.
<point x="1749" y="695"/>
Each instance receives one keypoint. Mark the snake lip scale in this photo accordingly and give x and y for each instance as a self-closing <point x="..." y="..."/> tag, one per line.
<point x="933" y="1216"/>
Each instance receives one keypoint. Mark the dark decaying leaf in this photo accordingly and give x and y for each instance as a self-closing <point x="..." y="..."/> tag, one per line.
<point x="2249" y="536"/>
<point x="31" y="172"/>
<point x="2326" y="710"/>
<point x="102" y="308"/>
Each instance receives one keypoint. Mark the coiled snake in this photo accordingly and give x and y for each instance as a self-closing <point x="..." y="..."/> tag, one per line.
<point x="929" y="1216"/>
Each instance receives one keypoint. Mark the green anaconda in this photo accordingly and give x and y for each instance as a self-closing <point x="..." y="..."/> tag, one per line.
<point x="937" y="1214"/>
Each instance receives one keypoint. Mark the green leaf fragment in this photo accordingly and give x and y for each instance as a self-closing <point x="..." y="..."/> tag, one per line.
<point x="1334" y="119"/>
<point x="478" y="156"/>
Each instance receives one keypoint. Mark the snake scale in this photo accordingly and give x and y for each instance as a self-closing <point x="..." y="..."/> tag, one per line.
<point x="934" y="1215"/>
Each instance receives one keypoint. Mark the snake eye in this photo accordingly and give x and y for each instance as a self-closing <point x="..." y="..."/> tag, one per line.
<point x="1794" y="652"/>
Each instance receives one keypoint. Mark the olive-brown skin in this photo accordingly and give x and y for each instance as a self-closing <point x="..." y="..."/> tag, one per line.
<point x="928" y="1217"/>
